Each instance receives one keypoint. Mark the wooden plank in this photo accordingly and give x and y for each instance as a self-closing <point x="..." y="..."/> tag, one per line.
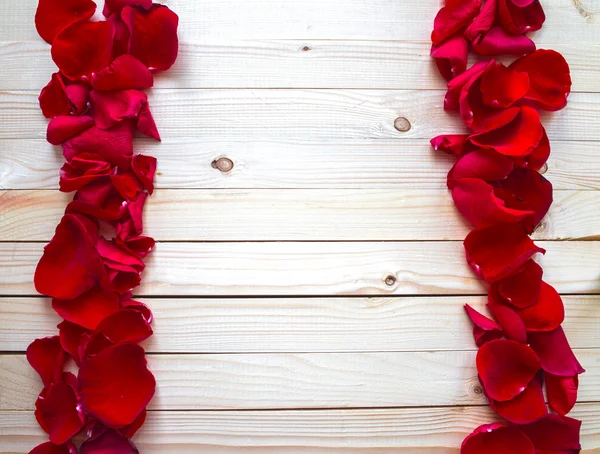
<point x="324" y="19"/>
<point x="368" y="431"/>
<point x="297" y="215"/>
<point x="267" y="325"/>
<point x="369" y="164"/>
<point x="301" y="380"/>
<point x="309" y="268"/>
<point x="290" y="64"/>
<point x="302" y="115"/>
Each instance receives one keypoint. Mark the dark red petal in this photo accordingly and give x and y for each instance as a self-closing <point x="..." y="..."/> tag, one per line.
<point x="505" y="368"/>
<point x="82" y="170"/>
<point x="497" y="439"/>
<point x="111" y="107"/>
<point x="65" y="127"/>
<point x="121" y="39"/>
<point x="484" y="20"/>
<point x="125" y="73"/>
<point x="70" y="265"/>
<point x="483" y="164"/>
<point x="519" y="20"/>
<point x="456" y="15"/>
<point x="550" y="78"/>
<point x="144" y="167"/>
<point x="501" y="87"/>
<point x="527" y="407"/>
<point x="47" y="358"/>
<point x="562" y="392"/>
<point x="555" y="353"/>
<point x="153" y="35"/>
<point x="57" y="412"/>
<point x="115" y="145"/>
<point x="547" y="314"/>
<point x="53" y="98"/>
<point x="507" y="317"/>
<point x="136" y="208"/>
<point x="451" y="57"/>
<point x="456" y="85"/>
<point x="115" y="6"/>
<point x="484" y="329"/>
<point x="51" y="448"/>
<point x="73" y="339"/>
<point x="498" y="252"/>
<point x="498" y="42"/>
<point x="454" y="144"/>
<point x="53" y="16"/>
<point x="108" y="442"/>
<point x="517" y="138"/>
<point x="116" y="385"/>
<point x="99" y="200"/>
<point x="555" y="434"/>
<point x="140" y="307"/>
<point x="89" y="309"/>
<point x="522" y="289"/>
<point x="83" y="49"/>
<point x="146" y="123"/>
<point x="130" y="430"/>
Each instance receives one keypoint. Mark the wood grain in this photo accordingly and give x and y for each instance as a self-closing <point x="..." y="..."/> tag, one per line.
<point x="267" y="325"/>
<point x="297" y="215"/>
<point x="368" y="431"/>
<point x="257" y="114"/>
<point x="368" y="164"/>
<point x="301" y="380"/>
<point x="290" y="64"/>
<point x="309" y="268"/>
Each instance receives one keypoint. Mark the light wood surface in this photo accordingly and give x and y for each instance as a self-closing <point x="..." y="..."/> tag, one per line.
<point x="276" y="331"/>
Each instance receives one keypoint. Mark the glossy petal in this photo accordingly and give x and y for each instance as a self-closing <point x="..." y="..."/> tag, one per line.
<point x="124" y="326"/>
<point x="451" y="57"/>
<point x="53" y="16"/>
<point x="499" y="42"/>
<point x="116" y="385"/>
<point x="483" y="164"/>
<point x="83" y="49"/>
<point x="65" y="127"/>
<point x="456" y="85"/>
<point x="53" y="98"/>
<point x="497" y="252"/>
<point x="538" y="156"/>
<point x="554" y="434"/>
<point x="454" y="16"/>
<point x="518" y="20"/>
<point x="484" y="329"/>
<point x="522" y="289"/>
<point x="73" y="339"/>
<point x="483" y="22"/>
<point x="454" y="144"/>
<point x="505" y="368"/>
<point x="547" y="314"/>
<point x="527" y="407"/>
<point x="153" y="35"/>
<point x="507" y="317"/>
<point x="501" y="87"/>
<point x="124" y="73"/>
<point x="88" y="309"/>
<point x="562" y="392"/>
<point x="47" y="358"/>
<point x="144" y="168"/>
<point x="58" y="413"/>
<point x="82" y="170"/>
<point x="497" y="439"/>
<point x="555" y="353"/>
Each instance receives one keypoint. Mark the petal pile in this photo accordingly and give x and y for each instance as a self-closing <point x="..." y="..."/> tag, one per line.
<point x="95" y="104"/>
<point x="496" y="185"/>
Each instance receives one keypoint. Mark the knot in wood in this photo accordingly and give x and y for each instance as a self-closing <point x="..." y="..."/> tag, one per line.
<point x="305" y="49"/>
<point x="222" y="164"/>
<point x="402" y="124"/>
<point x="390" y="280"/>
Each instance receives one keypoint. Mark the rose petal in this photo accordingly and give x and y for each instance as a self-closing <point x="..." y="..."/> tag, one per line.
<point x="53" y="98"/>
<point x="501" y="87"/>
<point x="112" y="107"/>
<point x="507" y="317"/>
<point x="73" y="339"/>
<point x="144" y="167"/>
<point x="497" y="439"/>
<point x="58" y="414"/>
<point x="145" y="123"/>
<point x="88" y="309"/>
<point x="82" y="170"/>
<point x="124" y="326"/>
<point x="562" y="392"/>
<point x="51" y="448"/>
<point x="130" y="430"/>
<point x="538" y="157"/>
<point x="456" y="85"/>
<point x="115" y="6"/>
<point x="83" y="48"/>
<point x="554" y="433"/>
<point x="483" y="164"/>
<point x="126" y="184"/>
<point x="499" y="42"/>
<point x="505" y="368"/>
<point x="454" y="144"/>
<point x="484" y="329"/>
<point x="116" y="385"/>
<point x="555" y="353"/>
<point x="522" y="289"/>
<point x="527" y="407"/>
<point x="456" y="15"/>
<point x="547" y="314"/>
<point x="451" y="57"/>
<point x="124" y="73"/>
<point x="550" y="78"/>
<point x="519" y="20"/>
<point x="497" y="252"/>
<point x="108" y="442"/>
<point x="153" y="35"/>
<point x="47" y="358"/>
<point x="53" y="16"/>
<point x="65" y="127"/>
<point x="484" y="20"/>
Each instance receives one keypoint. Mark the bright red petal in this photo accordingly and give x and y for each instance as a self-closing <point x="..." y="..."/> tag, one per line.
<point x="112" y="107"/>
<point x="497" y="439"/>
<point x="484" y="329"/>
<point x="483" y="164"/>
<point x="562" y="392"/>
<point x="53" y="16"/>
<point x="126" y="325"/>
<point x="65" y="127"/>
<point x="527" y="407"/>
<point x="47" y="358"/>
<point x="547" y="314"/>
<point x="505" y="368"/>
<point x="125" y="73"/>
<point x="88" y="309"/>
<point x="456" y="85"/>
<point x="519" y="20"/>
<point x="522" y="289"/>
<point x="53" y="98"/>
<point x="58" y="413"/>
<point x="451" y="57"/>
<point x="456" y="15"/>
<point x="73" y="339"/>
<point x="499" y="42"/>
<point x="555" y="353"/>
<point x="501" y="87"/>
<point x="508" y="318"/>
<point x="144" y="168"/>
<point x="82" y="170"/>
<point x="51" y="448"/>
<point x="116" y="6"/>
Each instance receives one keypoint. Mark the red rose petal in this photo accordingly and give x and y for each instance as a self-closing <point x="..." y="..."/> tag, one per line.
<point x="58" y="413"/>
<point x="51" y="448"/>
<point x="555" y="353"/>
<point x="501" y="87"/>
<point x="53" y="98"/>
<point x="506" y="368"/>
<point x="483" y="22"/>
<point x="153" y="35"/>
<point x="547" y="314"/>
<point x="112" y="107"/>
<point x="522" y="289"/>
<point x="499" y="42"/>
<point x="550" y="78"/>
<point x="519" y="20"/>
<point x="127" y="185"/>
<point x="562" y="392"/>
<point x="83" y="48"/>
<point x="554" y="434"/>
<point x="108" y="441"/>
<point x="140" y="307"/>
<point x="527" y="407"/>
<point x="483" y="164"/>
<point x="538" y="156"/>
<point x="497" y="252"/>
<point x="124" y="73"/>
<point x="457" y="14"/>
<point x="497" y="439"/>
<point x="65" y="127"/>
<point x="136" y="208"/>
<point x="145" y="123"/>
<point x="79" y="95"/>
<point x="130" y="430"/>
<point x="124" y="326"/>
<point x="88" y="309"/>
<point x="73" y="339"/>
<point x="484" y="329"/>
<point x="82" y="170"/>
<point x="116" y="385"/>
<point x="451" y="57"/>
<point x="456" y="85"/>
<point x="454" y="144"/>
<point x="508" y="318"/>
<point x="70" y="265"/>
<point x="116" y="6"/>
<point x="144" y="168"/>
<point x="53" y="16"/>
<point x="47" y="358"/>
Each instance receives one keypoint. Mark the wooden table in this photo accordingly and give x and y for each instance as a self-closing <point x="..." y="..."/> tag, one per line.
<point x="308" y="300"/>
